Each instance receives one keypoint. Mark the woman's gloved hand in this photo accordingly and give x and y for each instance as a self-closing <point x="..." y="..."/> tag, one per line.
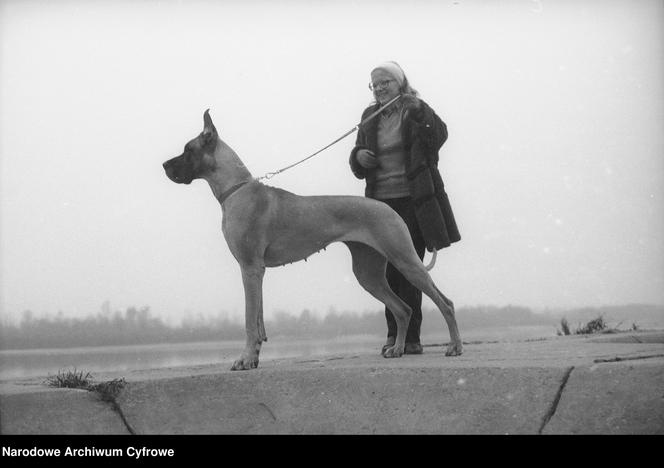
<point x="367" y="159"/>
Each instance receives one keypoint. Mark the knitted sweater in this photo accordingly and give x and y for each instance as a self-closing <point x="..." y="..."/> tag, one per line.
<point x="390" y="181"/>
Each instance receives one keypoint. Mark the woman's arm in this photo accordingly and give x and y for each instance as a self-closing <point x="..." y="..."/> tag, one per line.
<point x="360" y="143"/>
<point x="428" y="128"/>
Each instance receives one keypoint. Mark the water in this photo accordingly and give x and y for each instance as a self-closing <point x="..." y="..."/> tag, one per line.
<point x="20" y="364"/>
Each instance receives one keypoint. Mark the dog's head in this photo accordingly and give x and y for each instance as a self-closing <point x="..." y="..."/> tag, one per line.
<point x="198" y="156"/>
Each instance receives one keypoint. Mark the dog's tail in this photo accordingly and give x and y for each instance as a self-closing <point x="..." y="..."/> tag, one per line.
<point x="431" y="264"/>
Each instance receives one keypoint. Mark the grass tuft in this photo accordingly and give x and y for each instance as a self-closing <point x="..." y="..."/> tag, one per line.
<point x="564" y="328"/>
<point x="69" y="379"/>
<point x="107" y="391"/>
<point x="597" y="325"/>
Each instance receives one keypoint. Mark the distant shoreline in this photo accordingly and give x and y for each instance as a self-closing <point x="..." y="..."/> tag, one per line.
<point x="137" y="326"/>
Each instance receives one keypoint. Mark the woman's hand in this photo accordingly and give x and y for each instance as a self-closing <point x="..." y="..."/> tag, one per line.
<point x="367" y="159"/>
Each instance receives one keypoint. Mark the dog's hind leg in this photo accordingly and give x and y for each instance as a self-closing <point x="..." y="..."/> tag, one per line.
<point x="252" y="279"/>
<point x="369" y="268"/>
<point x="455" y="348"/>
<point x="411" y="267"/>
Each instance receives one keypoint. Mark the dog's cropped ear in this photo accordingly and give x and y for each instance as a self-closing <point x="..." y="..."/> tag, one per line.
<point x="209" y="131"/>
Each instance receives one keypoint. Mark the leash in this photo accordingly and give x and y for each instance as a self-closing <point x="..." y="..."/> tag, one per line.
<point x="269" y="175"/>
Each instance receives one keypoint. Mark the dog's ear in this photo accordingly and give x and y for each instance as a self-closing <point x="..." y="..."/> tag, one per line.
<point x="209" y="131"/>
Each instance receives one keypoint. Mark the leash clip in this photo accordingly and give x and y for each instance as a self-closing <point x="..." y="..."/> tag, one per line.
<point x="269" y="175"/>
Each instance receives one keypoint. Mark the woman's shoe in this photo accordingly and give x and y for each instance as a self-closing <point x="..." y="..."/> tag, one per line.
<point x="413" y="348"/>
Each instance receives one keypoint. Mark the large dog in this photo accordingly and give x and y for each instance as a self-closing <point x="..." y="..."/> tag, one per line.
<point x="267" y="227"/>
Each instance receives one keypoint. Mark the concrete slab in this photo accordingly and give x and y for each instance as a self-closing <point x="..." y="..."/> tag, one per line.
<point x="345" y="401"/>
<point x="58" y="411"/>
<point x="612" y="399"/>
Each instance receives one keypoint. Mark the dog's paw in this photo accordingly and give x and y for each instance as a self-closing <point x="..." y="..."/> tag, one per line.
<point x="393" y="352"/>
<point x="245" y="363"/>
<point x="454" y="349"/>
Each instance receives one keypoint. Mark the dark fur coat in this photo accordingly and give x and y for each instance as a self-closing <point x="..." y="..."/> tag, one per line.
<point x="423" y="134"/>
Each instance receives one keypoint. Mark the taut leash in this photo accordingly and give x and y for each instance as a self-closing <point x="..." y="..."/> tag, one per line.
<point x="269" y="175"/>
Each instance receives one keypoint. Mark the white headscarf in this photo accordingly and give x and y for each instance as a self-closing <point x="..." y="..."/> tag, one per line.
<point x="393" y="69"/>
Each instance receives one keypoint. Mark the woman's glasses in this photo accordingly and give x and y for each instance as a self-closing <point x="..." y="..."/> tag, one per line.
<point x="380" y="84"/>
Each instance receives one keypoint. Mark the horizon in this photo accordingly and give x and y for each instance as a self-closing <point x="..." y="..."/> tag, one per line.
<point x="553" y="164"/>
<point x="139" y="327"/>
<point x="107" y="310"/>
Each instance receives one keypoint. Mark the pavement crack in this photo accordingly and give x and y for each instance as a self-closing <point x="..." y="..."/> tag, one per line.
<point x="628" y="358"/>
<point x="117" y="409"/>
<point x="108" y="392"/>
<point x="554" y="405"/>
<point x="268" y="410"/>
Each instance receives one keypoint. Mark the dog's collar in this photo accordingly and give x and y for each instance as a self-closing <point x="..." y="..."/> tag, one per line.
<point x="222" y="198"/>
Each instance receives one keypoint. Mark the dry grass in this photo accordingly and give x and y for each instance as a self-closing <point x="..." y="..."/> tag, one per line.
<point x="69" y="379"/>
<point x="107" y="391"/>
<point x="596" y="325"/>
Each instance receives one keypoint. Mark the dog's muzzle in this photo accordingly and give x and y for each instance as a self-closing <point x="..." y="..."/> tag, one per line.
<point x="176" y="171"/>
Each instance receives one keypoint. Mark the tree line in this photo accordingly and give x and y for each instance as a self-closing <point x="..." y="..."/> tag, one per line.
<point x="138" y="325"/>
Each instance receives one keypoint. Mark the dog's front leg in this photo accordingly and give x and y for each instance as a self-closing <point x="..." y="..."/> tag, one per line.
<point x="252" y="279"/>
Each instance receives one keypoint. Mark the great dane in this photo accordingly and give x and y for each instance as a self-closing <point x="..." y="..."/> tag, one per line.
<point x="268" y="227"/>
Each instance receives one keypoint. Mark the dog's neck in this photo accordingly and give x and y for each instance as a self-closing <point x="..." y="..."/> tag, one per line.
<point x="228" y="171"/>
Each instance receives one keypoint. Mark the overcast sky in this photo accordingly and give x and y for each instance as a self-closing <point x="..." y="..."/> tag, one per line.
<point x="554" y="165"/>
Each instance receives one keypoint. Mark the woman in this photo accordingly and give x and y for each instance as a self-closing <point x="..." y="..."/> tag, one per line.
<point x="397" y="154"/>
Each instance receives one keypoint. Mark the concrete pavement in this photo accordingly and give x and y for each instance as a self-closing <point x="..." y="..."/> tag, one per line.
<point x="602" y="384"/>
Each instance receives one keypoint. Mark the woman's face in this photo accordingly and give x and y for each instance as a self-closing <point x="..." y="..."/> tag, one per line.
<point x="384" y="86"/>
